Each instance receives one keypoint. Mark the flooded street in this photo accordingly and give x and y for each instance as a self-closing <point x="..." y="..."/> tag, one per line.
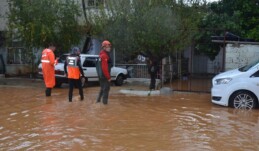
<point x="181" y="122"/>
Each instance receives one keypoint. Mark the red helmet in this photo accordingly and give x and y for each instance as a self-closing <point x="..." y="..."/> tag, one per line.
<point x="106" y="43"/>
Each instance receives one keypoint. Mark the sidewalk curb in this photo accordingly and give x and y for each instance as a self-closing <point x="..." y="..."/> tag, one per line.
<point x="140" y="92"/>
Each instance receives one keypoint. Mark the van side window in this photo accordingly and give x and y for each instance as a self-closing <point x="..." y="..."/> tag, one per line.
<point x="256" y="74"/>
<point x="89" y="62"/>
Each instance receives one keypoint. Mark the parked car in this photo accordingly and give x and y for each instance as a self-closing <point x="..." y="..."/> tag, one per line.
<point x="118" y="75"/>
<point x="238" y="88"/>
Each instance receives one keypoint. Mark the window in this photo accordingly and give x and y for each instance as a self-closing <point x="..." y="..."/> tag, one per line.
<point x="89" y="62"/>
<point x="256" y="74"/>
<point x="16" y="55"/>
<point x="94" y="3"/>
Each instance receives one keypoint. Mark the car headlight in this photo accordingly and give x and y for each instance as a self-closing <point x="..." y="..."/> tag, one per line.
<point x="222" y="81"/>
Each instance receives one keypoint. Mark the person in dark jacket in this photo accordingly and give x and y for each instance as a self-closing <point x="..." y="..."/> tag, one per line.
<point x="105" y="76"/>
<point x="152" y="70"/>
<point x="73" y="70"/>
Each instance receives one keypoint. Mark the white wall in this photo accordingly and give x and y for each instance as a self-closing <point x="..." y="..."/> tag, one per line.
<point x="239" y="56"/>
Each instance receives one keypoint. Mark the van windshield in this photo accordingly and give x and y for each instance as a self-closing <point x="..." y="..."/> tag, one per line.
<point x="62" y="58"/>
<point x="247" y="67"/>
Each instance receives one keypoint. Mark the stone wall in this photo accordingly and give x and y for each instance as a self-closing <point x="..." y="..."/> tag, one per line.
<point x="238" y="56"/>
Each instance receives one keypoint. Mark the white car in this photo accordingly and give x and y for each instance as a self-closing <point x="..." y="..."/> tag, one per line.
<point x="118" y="75"/>
<point x="238" y="88"/>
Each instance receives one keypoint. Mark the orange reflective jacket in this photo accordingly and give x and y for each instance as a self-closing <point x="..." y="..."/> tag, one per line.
<point x="72" y="67"/>
<point x="48" y="69"/>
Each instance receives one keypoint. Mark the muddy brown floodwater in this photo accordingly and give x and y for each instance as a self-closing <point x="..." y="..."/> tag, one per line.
<point x="181" y="122"/>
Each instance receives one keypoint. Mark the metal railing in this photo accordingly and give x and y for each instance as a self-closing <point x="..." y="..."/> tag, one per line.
<point x="189" y="83"/>
<point x="135" y="70"/>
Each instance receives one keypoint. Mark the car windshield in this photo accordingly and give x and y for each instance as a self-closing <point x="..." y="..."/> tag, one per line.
<point x="62" y="59"/>
<point x="249" y="66"/>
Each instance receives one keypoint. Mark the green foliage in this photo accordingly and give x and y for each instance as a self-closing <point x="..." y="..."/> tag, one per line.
<point x="153" y="27"/>
<point x="236" y="16"/>
<point x="38" y="22"/>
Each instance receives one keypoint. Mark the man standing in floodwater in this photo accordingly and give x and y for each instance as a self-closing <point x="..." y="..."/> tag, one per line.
<point x="73" y="70"/>
<point x="104" y="72"/>
<point x="48" y="68"/>
<point x="152" y="70"/>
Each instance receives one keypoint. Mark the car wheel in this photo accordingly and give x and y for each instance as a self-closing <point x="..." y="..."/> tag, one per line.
<point x="119" y="80"/>
<point x="243" y="100"/>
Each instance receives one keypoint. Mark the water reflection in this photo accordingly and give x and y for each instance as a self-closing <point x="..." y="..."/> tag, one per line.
<point x="30" y="121"/>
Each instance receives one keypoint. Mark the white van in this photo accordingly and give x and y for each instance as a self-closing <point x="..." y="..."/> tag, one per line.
<point x="238" y="88"/>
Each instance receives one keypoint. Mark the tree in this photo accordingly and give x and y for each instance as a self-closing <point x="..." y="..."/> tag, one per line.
<point x="152" y="27"/>
<point x="37" y="23"/>
<point x="236" y="16"/>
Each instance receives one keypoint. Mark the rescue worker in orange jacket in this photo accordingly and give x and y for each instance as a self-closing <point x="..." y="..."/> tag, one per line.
<point x="106" y="65"/>
<point x="48" y="68"/>
<point x="73" y="70"/>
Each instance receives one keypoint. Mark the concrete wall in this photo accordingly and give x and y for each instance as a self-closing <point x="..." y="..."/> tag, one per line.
<point x="18" y="69"/>
<point x="238" y="56"/>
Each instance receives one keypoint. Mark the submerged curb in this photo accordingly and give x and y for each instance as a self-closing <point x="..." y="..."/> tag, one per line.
<point x="140" y="92"/>
<point x="162" y="91"/>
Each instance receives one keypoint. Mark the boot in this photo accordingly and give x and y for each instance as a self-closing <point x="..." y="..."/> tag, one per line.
<point x="82" y="98"/>
<point x="48" y="91"/>
<point x="70" y="98"/>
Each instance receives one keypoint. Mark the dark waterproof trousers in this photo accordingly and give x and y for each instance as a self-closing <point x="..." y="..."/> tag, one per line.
<point x="48" y="91"/>
<point x="72" y="84"/>
<point x="152" y="81"/>
<point x="104" y="91"/>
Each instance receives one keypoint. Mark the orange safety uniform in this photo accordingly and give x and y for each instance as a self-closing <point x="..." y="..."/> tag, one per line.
<point x="72" y="67"/>
<point x="48" y="67"/>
